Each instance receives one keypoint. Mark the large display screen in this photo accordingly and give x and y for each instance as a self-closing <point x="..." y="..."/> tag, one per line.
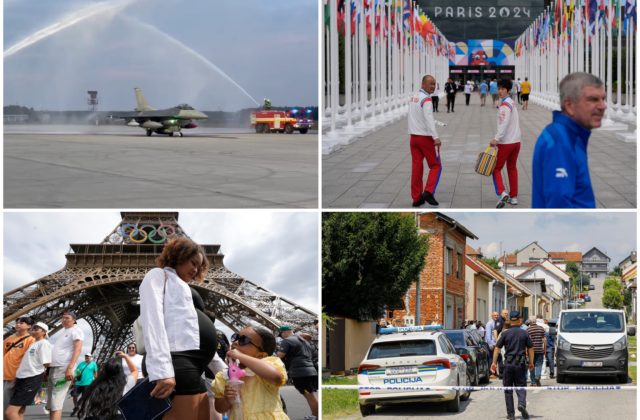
<point x="482" y="19"/>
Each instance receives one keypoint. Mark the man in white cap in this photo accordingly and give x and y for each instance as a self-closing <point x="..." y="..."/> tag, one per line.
<point x="15" y="346"/>
<point x="85" y="373"/>
<point x="30" y="373"/>
<point x="64" y="357"/>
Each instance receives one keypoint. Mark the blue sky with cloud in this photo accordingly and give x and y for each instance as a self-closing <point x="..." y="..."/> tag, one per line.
<point x="611" y="232"/>
<point x="268" y="48"/>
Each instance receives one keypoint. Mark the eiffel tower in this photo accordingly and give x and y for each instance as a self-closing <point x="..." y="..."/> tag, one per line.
<point x="100" y="283"/>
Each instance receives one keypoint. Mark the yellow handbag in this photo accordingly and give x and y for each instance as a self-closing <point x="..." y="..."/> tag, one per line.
<point x="486" y="162"/>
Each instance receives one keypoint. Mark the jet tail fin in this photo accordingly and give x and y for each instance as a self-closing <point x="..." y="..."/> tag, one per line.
<point x="141" y="102"/>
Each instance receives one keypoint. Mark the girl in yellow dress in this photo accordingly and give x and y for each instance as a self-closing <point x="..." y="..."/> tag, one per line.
<point x="253" y="348"/>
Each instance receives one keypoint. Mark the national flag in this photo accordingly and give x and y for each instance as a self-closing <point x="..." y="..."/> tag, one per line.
<point x="630" y="10"/>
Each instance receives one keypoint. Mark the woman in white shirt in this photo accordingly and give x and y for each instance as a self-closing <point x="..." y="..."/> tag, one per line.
<point x="179" y="337"/>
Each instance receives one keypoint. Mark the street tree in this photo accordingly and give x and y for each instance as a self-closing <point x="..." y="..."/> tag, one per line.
<point x="369" y="261"/>
<point x="576" y="276"/>
<point x="492" y="262"/>
<point x="617" y="271"/>
<point x="612" y="283"/>
<point x="612" y="298"/>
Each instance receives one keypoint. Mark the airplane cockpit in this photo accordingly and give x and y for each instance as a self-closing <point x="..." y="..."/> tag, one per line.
<point x="185" y="107"/>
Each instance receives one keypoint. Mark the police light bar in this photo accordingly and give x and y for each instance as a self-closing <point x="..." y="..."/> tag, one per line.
<point x="410" y="329"/>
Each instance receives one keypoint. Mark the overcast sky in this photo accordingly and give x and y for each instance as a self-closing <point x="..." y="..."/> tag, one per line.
<point x="276" y="250"/>
<point x="269" y="48"/>
<point x="613" y="233"/>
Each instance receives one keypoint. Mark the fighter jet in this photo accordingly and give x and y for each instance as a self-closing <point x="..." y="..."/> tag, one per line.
<point x="164" y="121"/>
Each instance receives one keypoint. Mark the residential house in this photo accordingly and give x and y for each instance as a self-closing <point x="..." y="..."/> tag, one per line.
<point x="561" y="259"/>
<point x="550" y="296"/>
<point x="487" y="286"/>
<point x="478" y="283"/>
<point x="531" y="253"/>
<point x="595" y="264"/>
<point x="629" y="261"/>
<point x="439" y="294"/>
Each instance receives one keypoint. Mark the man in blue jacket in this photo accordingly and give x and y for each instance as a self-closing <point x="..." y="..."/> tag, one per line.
<point x="560" y="168"/>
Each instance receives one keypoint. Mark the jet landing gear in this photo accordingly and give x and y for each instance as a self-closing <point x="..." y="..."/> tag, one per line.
<point x="149" y="132"/>
<point x="172" y="133"/>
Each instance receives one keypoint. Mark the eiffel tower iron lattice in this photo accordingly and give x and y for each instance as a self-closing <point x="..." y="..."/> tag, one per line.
<point x="100" y="283"/>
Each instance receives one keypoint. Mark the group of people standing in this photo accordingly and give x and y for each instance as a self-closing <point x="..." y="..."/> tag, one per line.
<point x="181" y="344"/>
<point x="560" y="171"/>
<point x="518" y="348"/>
<point x="31" y="361"/>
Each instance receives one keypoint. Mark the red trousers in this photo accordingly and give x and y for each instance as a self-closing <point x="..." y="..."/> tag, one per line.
<point x="507" y="153"/>
<point x="423" y="147"/>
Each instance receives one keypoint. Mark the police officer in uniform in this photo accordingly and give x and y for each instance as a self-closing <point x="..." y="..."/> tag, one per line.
<point x="517" y="343"/>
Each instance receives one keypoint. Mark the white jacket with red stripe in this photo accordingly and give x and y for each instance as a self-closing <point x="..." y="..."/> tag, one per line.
<point x="508" y="122"/>
<point x="421" y="120"/>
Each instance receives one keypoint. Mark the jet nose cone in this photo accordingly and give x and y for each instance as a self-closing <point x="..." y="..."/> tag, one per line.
<point x="192" y="114"/>
<point x="200" y="115"/>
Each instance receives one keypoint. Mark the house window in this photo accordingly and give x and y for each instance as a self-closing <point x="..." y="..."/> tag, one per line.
<point x="460" y="268"/>
<point x="449" y="261"/>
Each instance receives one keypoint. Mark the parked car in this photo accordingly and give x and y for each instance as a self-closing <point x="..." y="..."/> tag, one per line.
<point x="412" y="355"/>
<point x="472" y="352"/>
<point x="592" y="287"/>
<point x="587" y="298"/>
<point x="592" y="342"/>
<point x="480" y="339"/>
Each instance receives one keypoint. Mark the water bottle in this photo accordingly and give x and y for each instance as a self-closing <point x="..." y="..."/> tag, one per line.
<point x="60" y="383"/>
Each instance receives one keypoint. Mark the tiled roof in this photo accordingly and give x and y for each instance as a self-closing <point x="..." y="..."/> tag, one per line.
<point x="566" y="256"/>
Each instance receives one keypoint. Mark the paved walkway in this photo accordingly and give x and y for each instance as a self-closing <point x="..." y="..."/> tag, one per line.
<point x="110" y="167"/>
<point x="374" y="172"/>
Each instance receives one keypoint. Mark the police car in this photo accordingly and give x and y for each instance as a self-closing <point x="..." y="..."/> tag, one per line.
<point x="420" y="356"/>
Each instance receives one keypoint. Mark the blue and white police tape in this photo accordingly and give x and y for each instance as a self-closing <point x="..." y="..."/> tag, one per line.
<point x="485" y="388"/>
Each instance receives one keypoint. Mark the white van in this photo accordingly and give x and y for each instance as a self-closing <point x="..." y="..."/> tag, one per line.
<point x="592" y="342"/>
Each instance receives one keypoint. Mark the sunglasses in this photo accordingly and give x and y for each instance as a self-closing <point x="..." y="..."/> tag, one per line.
<point x="243" y="340"/>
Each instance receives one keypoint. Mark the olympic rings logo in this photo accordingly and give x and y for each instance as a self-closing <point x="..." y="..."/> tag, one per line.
<point x="140" y="234"/>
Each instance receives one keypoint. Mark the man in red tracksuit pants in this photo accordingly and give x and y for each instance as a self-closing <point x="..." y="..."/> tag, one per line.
<point x="424" y="142"/>
<point x="507" y="140"/>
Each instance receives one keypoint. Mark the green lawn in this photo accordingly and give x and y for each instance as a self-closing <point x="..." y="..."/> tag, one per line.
<point x="339" y="402"/>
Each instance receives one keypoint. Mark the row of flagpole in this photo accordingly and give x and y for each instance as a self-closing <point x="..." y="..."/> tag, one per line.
<point x="388" y="46"/>
<point x="578" y="35"/>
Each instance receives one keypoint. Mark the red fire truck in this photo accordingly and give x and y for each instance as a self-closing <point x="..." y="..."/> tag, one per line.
<point x="267" y="121"/>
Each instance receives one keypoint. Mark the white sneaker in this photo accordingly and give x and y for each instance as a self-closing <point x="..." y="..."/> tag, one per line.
<point x="513" y="201"/>
<point x="504" y="198"/>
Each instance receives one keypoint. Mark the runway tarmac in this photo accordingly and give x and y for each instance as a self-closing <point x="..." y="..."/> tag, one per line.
<point x="120" y="167"/>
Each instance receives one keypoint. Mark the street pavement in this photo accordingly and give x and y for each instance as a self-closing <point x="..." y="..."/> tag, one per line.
<point x="375" y="171"/>
<point x="595" y="295"/>
<point x="541" y="404"/>
<point x="297" y="407"/>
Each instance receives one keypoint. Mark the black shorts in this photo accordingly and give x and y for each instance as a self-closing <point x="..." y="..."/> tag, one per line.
<point x="306" y="384"/>
<point x="188" y="375"/>
<point x="25" y="390"/>
<point x="188" y="372"/>
<point x="524" y="96"/>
